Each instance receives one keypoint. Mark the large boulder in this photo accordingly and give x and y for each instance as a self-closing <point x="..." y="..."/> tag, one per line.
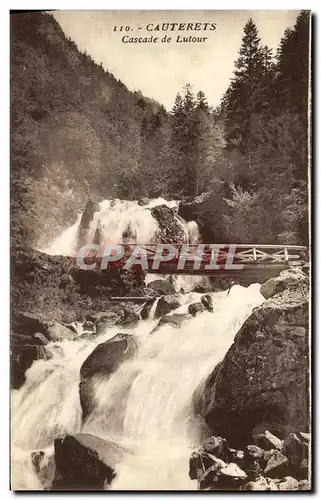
<point x="55" y="332"/>
<point x="170" y="229"/>
<point x="196" y="308"/>
<point x="163" y="287"/>
<point x="166" y="304"/>
<point x="130" y="319"/>
<point x="293" y="277"/>
<point x="263" y="380"/>
<point x="102" y="362"/>
<point x="87" y="217"/>
<point x="22" y="357"/>
<point x="207" y="302"/>
<point x="174" y="320"/>
<point x="26" y="323"/>
<point x="106" y="321"/>
<point x="85" y="462"/>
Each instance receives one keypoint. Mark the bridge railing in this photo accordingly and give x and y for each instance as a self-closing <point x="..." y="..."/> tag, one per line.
<point x="243" y="253"/>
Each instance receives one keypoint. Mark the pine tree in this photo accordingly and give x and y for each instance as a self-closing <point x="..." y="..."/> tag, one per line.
<point x="188" y="101"/>
<point x="243" y="97"/>
<point x="293" y="79"/>
<point x="201" y="101"/>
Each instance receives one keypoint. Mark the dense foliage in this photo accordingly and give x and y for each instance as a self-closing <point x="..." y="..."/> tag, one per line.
<point x="78" y="132"/>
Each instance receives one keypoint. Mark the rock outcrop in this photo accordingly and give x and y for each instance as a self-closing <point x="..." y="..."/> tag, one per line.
<point x="47" y="288"/>
<point x="263" y="380"/>
<point x="24" y="350"/>
<point x="162" y="287"/>
<point x="170" y="230"/>
<point x="102" y="362"/>
<point x="166" y="304"/>
<point x="196" y="308"/>
<point x="87" y="217"/>
<point x="217" y="466"/>
<point x="293" y="277"/>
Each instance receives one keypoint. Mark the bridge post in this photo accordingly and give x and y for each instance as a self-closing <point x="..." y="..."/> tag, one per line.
<point x="286" y="254"/>
<point x="254" y="253"/>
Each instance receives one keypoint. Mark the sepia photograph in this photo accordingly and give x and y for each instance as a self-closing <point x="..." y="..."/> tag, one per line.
<point x="160" y="250"/>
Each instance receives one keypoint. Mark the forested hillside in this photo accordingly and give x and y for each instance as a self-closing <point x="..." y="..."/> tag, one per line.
<point x="77" y="132"/>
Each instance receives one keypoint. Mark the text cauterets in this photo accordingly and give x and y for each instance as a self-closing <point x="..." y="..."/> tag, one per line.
<point x="181" y="27"/>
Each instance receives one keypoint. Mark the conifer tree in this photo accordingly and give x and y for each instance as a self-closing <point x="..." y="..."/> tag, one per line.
<point x="242" y="99"/>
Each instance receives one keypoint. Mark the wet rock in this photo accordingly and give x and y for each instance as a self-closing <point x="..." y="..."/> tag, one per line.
<point x="87" y="217"/>
<point x="44" y="465"/>
<point x="27" y="323"/>
<point x="105" y="321"/>
<point x="289" y="484"/>
<point x="302" y="472"/>
<point x="163" y="287"/>
<point x="208" y="475"/>
<point x="230" y="477"/>
<point x="260" y="484"/>
<point x="112" y="313"/>
<point x="89" y="326"/>
<point x="253" y="462"/>
<point x="205" y="288"/>
<point x="166" y="304"/>
<point x="87" y="336"/>
<point x="218" y="446"/>
<point x="102" y="362"/>
<point x="237" y="457"/>
<point x="146" y="308"/>
<point x="294" y="449"/>
<point x="22" y="357"/>
<point x="41" y="338"/>
<point x="277" y="464"/>
<point x="207" y="302"/>
<point x="56" y="332"/>
<point x="262" y="381"/>
<point x="253" y="451"/>
<point x="130" y="319"/>
<point x="196" y="308"/>
<point x="143" y="201"/>
<point x="175" y="320"/>
<point x="305" y="437"/>
<point x="170" y="229"/>
<point x="85" y="462"/>
<point x="268" y="441"/>
<point x="304" y="485"/>
<point x="287" y="279"/>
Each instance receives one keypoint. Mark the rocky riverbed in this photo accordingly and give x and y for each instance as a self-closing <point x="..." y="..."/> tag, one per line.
<point x="254" y="405"/>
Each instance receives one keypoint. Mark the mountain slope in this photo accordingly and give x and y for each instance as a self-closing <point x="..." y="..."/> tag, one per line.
<point x="75" y="130"/>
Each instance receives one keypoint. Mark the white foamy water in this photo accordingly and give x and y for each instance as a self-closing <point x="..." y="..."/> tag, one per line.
<point x="146" y="403"/>
<point x="114" y="218"/>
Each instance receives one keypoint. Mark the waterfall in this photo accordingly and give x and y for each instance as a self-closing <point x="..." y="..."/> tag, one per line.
<point x="146" y="403"/>
<point x="114" y="219"/>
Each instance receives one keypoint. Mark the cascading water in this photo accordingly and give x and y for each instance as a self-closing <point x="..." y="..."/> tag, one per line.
<point x="147" y="403"/>
<point x="156" y="388"/>
<point x="113" y="219"/>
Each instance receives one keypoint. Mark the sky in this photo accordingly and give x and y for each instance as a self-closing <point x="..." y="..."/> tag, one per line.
<point x="160" y="70"/>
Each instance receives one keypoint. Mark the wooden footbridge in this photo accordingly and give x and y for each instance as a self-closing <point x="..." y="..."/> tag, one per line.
<point x="230" y="260"/>
<point x="220" y="260"/>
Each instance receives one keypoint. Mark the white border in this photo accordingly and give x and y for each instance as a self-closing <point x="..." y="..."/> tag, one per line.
<point x="4" y="198"/>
